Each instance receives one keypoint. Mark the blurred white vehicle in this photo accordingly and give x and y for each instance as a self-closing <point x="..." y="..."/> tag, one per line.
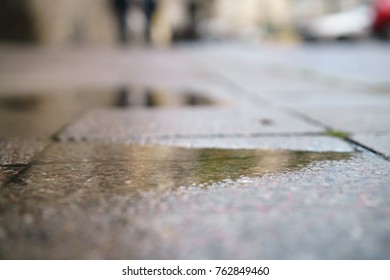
<point x="354" y="23"/>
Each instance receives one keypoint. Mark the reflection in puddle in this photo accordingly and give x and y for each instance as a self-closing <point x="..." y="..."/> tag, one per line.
<point x="172" y="167"/>
<point x="127" y="97"/>
<point x="123" y="97"/>
<point x="19" y="103"/>
<point x="43" y="115"/>
<point x="95" y="170"/>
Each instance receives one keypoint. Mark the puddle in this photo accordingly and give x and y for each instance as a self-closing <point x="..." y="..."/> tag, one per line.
<point x="19" y="103"/>
<point x="42" y="115"/>
<point x="45" y="114"/>
<point x="122" y="169"/>
<point x="79" y="192"/>
<point x="127" y="97"/>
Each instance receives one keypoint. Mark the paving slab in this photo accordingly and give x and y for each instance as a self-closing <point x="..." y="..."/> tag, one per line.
<point x="363" y="62"/>
<point x="19" y="150"/>
<point x="379" y="142"/>
<point x="352" y="119"/>
<point x="86" y="67"/>
<point x="358" y="65"/>
<point x="260" y="68"/>
<point x="284" y="205"/>
<point x="141" y="123"/>
<point x="258" y="79"/>
<point x="330" y="98"/>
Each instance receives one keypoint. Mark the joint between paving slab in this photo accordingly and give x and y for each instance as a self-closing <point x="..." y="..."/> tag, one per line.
<point x="346" y="137"/>
<point x="358" y="144"/>
<point x="16" y="178"/>
<point x="25" y="166"/>
<point x="15" y="165"/>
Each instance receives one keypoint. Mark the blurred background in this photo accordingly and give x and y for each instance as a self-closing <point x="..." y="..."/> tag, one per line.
<point x="162" y="22"/>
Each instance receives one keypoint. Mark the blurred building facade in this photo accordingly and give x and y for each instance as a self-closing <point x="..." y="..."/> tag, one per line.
<point x="93" y="21"/>
<point x="56" y="21"/>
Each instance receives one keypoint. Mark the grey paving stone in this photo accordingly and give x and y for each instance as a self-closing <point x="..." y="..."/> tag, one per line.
<point x="53" y="69"/>
<point x="256" y="78"/>
<point x="331" y="207"/>
<point x="370" y="62"/>
<point x="332" y="99"/>
<point x="352" y="119"/>
<point x="141" y="123"/>
<point x="332" y="60"/>
<point x="379" y="142"/>
<point x="267" y="68"/>
<point x="19" y="150"/>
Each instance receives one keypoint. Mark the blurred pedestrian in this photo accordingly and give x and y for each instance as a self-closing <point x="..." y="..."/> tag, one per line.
<point x="193" y="9"/>
<point x="149" y="9"/>
<point x="121" y="9"/>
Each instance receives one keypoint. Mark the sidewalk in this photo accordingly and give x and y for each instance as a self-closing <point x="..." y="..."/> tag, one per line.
<point x="215" y="151"/>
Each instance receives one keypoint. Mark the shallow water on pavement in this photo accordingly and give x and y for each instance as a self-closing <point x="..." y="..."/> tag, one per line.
<point x="98" y="200"/>
<point x="45" y="114"/>
<point x="118" y="169"/>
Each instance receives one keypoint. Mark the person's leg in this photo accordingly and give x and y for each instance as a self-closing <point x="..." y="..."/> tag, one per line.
<point x="150" y="7"/>
<point x="121" y="10"/>
<point x="123" y="26"/>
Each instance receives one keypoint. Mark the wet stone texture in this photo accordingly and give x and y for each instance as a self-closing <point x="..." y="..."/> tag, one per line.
<point x="148" y="167"/>
<point x="221" y="170"/>
<point x="19" y="150"/>
<point x="156" y="202"/>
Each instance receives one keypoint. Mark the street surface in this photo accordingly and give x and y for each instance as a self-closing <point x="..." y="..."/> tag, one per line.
<point x="200" y="151"/>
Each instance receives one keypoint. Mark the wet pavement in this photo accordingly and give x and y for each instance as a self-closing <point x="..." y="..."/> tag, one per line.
<point x="196" y="152"/>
